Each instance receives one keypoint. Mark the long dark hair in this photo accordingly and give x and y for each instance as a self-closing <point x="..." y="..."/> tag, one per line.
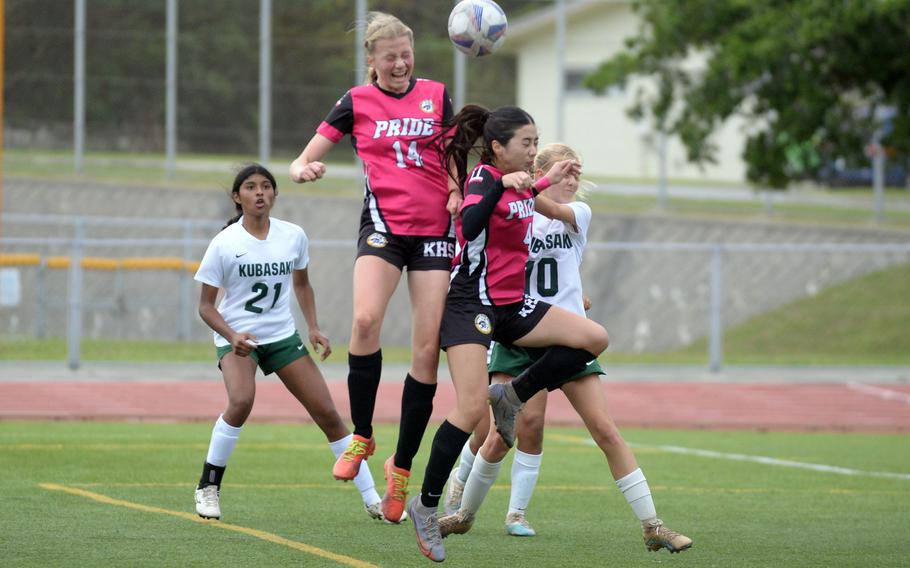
<point x="472" y="122"/>
<point x="242" y="176"/>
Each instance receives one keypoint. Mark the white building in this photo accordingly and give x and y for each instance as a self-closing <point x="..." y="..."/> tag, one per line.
<point x="611" y="143"/>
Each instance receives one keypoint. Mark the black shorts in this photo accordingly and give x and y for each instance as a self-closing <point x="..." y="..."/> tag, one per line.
<point x="417" y="253"/>
<point x="469" y="321"/>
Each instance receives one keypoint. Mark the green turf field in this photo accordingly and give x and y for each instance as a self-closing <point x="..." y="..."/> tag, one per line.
<point x="113" y="494"/>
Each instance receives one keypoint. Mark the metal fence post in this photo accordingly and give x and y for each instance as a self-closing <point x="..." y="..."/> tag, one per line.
<point x="716" y="337"/>
<point x="74" y="334"/>
<point x="41" y="300"/>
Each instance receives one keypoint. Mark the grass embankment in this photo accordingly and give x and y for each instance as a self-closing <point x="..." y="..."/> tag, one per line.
<point x="215" y="171"/>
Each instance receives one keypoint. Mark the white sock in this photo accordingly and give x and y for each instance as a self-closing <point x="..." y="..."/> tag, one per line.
<point x="482" y="477"/>
<point x="525" y="471"/>
<point x="364" y="479"/>
<point x="223" y="442"/>
<point x="465" y="463"/>
<point x="635" y="488"/>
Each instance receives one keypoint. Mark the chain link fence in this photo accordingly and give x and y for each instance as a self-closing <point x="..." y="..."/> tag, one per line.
<point x="653" y="297"/>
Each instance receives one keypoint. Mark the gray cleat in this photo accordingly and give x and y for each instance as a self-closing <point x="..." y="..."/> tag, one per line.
<point x="505" y="405"/>
<point x="429" y="541"/>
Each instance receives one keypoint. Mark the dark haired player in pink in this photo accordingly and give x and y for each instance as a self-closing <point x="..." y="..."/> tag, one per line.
<point x="487" y="300"/>
<point x="408" y="205"/>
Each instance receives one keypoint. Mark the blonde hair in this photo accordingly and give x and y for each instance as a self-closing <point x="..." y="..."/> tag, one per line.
<point x="382" y="26"/>
<point x="555" y="152"/>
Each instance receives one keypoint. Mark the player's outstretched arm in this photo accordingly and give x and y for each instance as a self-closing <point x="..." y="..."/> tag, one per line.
<point x="307" y="166"/>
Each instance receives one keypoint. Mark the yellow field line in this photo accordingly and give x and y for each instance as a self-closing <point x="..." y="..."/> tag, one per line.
<point x="266" y="536"/>
<point x="159" y="446"/>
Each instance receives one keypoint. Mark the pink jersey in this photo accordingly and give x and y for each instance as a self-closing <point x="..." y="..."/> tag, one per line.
<point x="491" y="267"/>
<point x="406" y="185"/>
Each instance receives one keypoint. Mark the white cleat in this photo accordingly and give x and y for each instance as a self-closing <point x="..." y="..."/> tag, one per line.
<point x="452" y="501"/>
<point x="518" y="525"/>
<point x="208" y="502"/>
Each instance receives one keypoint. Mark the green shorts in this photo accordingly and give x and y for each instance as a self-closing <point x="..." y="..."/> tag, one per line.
<point x="272" y="356"/>
<point x="513" y="360"/>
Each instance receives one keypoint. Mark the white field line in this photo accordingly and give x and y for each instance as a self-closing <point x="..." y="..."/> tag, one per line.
<point x="778" y="462"/>
<point x="887" y="394"/>
<point x="747" y="458"/>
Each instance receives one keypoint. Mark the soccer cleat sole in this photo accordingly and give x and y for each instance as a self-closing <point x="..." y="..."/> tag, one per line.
<point x="656" y="547"/>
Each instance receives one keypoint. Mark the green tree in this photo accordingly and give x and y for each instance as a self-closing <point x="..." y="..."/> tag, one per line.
<point x="811" y="77"/>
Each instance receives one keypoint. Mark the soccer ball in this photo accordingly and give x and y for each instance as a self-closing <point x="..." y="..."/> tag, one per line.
<point x="477" y="27"/>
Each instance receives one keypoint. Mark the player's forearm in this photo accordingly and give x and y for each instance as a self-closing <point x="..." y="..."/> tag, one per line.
<point x="213" y="318"/>
<point x="306" y="299"/>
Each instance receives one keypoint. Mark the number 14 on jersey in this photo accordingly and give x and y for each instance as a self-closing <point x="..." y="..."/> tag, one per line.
<point x="413" y="155"/>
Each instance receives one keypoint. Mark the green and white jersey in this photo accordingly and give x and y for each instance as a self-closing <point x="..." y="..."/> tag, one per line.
<point x="553" y="273"/>
<point x="256" y="276"/>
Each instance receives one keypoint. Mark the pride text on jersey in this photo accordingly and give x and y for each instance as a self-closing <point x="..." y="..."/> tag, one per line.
<point x="403" y="127"/>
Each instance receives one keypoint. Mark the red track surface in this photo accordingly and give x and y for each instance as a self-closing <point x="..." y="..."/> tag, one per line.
<point x="815" y="406"/>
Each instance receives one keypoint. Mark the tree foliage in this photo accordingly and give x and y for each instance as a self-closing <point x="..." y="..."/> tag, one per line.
<point x="812" y="78"/>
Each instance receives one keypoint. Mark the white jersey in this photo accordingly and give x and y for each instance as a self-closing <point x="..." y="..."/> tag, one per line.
<point x="554" y="259"/>
<point x="257" y="278"/>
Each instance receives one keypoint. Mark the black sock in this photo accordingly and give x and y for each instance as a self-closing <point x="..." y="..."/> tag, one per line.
<point x="447" y="446"/>
<point x="363" y="383"/>
<point x="211" y="475"/>
<point x="416" y="408"/>
<point x="553" y="368"/>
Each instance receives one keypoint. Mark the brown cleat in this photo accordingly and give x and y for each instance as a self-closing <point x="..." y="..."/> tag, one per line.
<point x="457" y="523"/>
<point x="658" y="536"/>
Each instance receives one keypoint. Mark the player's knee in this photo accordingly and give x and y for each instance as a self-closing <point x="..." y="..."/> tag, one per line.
<point x="426" y="346"/>
<point x="494" y="449"/>
<point x="473" y="409"/>
<point x="365" y="325"/>
<point x="529" y="431"/>
<point x="425" y="359"/>
<point x="598" y="339"/>
<point x="241" y="403"/>
<point x="329" y="421"/>
<point x="607" y="436"/>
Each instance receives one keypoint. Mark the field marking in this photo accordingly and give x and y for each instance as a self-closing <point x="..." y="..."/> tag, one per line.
<point x="783" y="463"/>
<point x="757" y="459"/>
<point x="183" y="485"/>
<point x="157" y="446"/>
<point x="266" y="536"/>
<point x="887" y="394"/>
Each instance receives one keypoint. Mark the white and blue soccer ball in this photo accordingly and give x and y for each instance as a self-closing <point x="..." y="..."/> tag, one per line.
<point x="477" y="27"/>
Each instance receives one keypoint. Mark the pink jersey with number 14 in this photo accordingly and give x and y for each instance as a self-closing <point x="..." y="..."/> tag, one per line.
<point x="406" y="188"/>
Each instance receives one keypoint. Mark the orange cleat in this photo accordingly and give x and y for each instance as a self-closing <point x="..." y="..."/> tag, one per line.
<point x="396" y="491"/>
<point x="348" y="464"/>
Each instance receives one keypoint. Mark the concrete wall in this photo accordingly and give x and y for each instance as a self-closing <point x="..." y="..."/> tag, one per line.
<point x="649" y="301"/>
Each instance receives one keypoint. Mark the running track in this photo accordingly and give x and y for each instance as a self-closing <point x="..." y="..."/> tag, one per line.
<point x="840" y="406"/>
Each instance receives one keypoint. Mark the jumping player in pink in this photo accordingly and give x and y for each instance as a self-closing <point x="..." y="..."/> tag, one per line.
<point x="408" y="205"/>
<point x="487" y="300"/>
